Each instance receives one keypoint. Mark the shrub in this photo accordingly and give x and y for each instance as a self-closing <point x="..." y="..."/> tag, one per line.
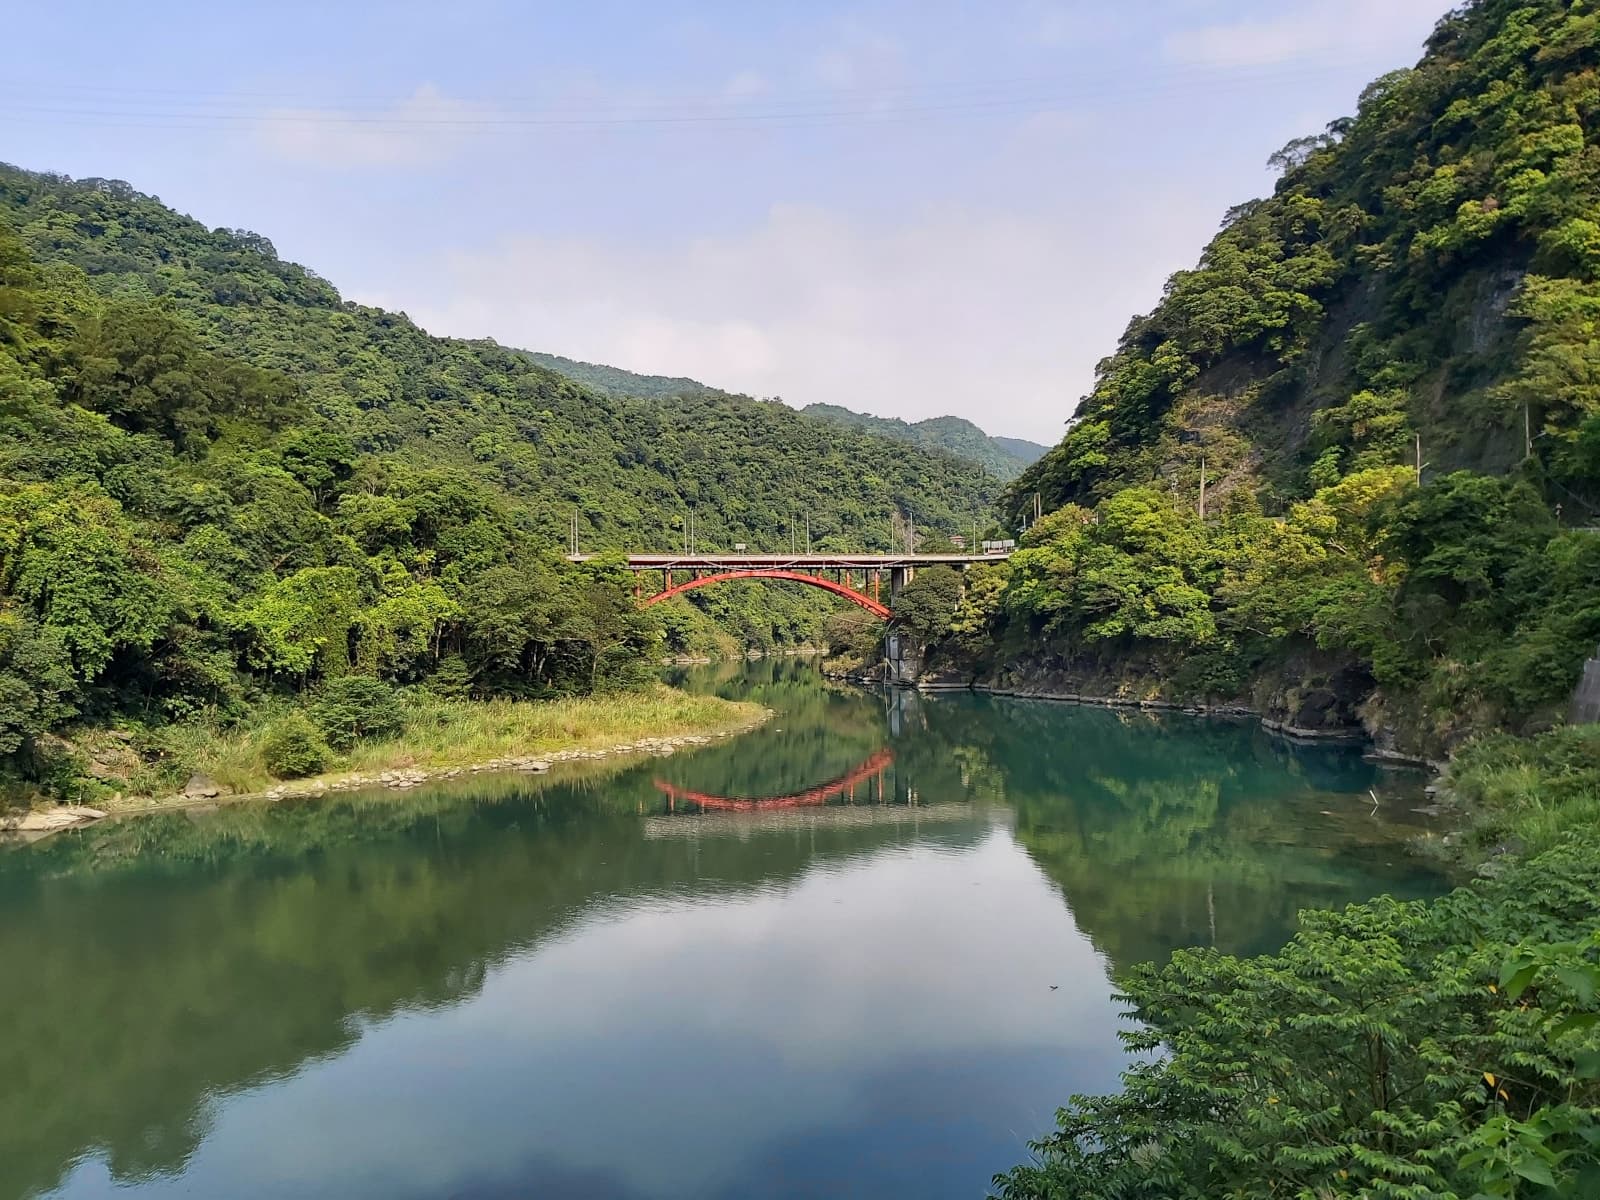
<point x="452" y="680"/>
<point x="294" y="747"/>
<point x="356" y="708"/>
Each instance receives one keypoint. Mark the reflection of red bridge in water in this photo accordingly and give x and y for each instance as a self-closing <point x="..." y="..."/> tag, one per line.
<point x="845" y="786"/>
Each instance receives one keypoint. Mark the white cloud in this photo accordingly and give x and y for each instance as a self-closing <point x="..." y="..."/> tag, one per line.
<point x="424" y="129"/>
<point x="1308" y="30"/>
<point x="859" y="57"/>
<point x="993" y="316"/>
<point x="745" y="85"/>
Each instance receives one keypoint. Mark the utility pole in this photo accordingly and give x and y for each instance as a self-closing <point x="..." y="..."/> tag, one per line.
<point x="574" y="538"/>
<point x="808" y="531"/>
<point x="1527" y="432"/>
<point x="1419" y="459"/>
<point x="1036" y="508"/>
<point x="1202" y="489"/>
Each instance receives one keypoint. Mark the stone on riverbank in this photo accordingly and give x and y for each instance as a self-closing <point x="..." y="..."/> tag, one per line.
<point x="47" y="820"/>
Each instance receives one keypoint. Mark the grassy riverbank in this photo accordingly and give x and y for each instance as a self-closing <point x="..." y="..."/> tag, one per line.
<point x="141" y="769"/>
<point x="1523" y="794"/>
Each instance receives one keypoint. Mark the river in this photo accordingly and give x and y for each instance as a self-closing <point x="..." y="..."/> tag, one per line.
<point x="863" y="952"/>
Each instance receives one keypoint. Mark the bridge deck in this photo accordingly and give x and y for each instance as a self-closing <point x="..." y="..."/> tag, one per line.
<point x="792" y="562"/>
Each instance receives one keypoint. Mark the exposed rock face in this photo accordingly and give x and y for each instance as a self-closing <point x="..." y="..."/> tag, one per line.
<point x="1306" y="694"/>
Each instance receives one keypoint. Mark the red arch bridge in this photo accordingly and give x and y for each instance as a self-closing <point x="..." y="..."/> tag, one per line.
<point x="859" y="578"/>
<point x="864" y="775"/>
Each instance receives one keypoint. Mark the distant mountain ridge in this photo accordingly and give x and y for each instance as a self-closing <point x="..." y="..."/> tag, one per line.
<point x="614" y="381"/>
<point x="1005" y="458"/>
<point x="1021" y="448"/>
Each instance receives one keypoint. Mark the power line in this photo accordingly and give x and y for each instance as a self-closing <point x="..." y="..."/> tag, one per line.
<point x="23" y="88"/>
<point x="210" y="114"/>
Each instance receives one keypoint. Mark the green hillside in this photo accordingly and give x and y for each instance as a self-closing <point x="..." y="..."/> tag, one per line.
<point x="1423" y="268"/>
<point x="1387" y="374"/>
<point x="1024" y="451"/>
<point x="614" y="381"/>
<point x="222" y="486"/>
<point x="1002" y="457"/>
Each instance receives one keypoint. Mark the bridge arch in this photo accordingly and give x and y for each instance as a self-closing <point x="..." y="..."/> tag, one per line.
<point x="874" y="607"/>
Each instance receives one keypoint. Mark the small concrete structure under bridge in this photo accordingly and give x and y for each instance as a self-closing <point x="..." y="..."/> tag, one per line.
<point x="859" y="578"/>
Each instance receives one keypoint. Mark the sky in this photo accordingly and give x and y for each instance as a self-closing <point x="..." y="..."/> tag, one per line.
<point x="907" y="207"/>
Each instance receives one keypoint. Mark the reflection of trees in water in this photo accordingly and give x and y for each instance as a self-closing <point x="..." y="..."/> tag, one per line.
<point x="823" y="730"/>
<point x="157" y="981"/>
<point x="1164" y="831"/>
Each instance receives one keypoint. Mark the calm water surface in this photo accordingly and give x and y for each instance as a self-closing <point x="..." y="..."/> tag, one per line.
<point x="863" y="952"/>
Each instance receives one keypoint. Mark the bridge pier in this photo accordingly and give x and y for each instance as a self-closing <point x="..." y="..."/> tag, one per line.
<point x="898" y="578"/>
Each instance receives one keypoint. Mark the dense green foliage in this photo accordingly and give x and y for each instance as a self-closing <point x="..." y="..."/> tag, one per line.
<point x="1464" y="598"/>
<point x="219" y="481"/>
<point x="1523" y="793"/>
<point x="357" y="707"/>
<point x="631" y="469"/>
<point x="926" y="605"/>
<point x="1004" y="458"/>
<point x="1417" y="1051"/>
<point x="1428" y="267"/>
<point x="293" y="747"/>
<point x="1243" y="487"/>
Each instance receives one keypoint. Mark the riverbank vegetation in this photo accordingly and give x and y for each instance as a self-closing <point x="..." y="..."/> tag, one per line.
<point x="1417" y="1050"/>
<point x="342" y="734"/>
<point x="1358" y="444"/>
<point x="1359" y="439"/>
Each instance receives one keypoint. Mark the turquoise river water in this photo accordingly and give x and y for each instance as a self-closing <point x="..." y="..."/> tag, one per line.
<point x="865" y="951"/>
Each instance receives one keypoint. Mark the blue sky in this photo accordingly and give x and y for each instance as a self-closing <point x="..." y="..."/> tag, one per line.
<point x="910" y="208"/>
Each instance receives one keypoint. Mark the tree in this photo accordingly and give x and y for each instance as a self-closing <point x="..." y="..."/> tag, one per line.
<point x="926" y="606"/>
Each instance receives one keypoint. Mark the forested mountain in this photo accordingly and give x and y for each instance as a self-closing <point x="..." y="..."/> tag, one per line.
<point x="1003" y="457"/>
<point x="1024" y="451"/>
<point x="614" y="381"/>
<point x="219" y="481"/>
<point x="1388" y="375"/>
<point x="1425" y="268"/>
<point x="741" y="465"/>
